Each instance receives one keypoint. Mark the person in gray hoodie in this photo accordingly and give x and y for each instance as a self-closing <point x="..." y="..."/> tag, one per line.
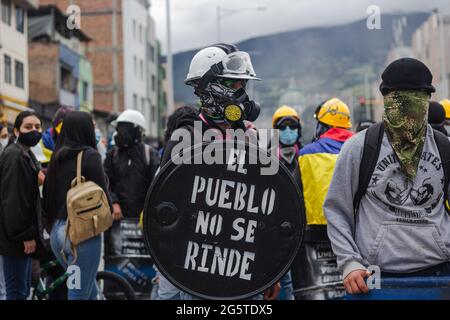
<point x="401" y="224"/>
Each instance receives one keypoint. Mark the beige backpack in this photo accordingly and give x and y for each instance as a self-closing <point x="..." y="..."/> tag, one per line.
<point x="88" y="211"/>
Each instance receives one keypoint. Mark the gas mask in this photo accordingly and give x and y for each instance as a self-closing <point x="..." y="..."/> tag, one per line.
<point x="127" y="135"/>
<point x="229" y="105"/>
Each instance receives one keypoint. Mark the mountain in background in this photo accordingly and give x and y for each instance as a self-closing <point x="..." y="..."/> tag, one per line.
<point x="309" y="64"/>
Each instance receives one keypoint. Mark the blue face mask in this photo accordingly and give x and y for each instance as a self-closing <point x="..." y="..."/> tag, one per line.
<point x="288" y="136"/>
<point x="98" y="136"/>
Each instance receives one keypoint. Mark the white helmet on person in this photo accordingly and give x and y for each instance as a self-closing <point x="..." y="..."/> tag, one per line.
<point x="228" y="61"/>
<point x="219" y="74"/>
<point x="131" y="116"/>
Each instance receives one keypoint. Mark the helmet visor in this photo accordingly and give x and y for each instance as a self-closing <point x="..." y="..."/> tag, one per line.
<point x="238" y="64"/>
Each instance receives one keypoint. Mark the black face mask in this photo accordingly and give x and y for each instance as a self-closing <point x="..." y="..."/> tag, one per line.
<point x="127" y="135"/>
<point x="320" y="130"/>
<point x="30" y="139"/>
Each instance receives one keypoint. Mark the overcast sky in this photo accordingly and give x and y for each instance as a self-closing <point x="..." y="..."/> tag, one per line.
<point x="194" y="22"/>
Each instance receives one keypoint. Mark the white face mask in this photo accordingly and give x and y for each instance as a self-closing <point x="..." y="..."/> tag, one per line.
<point x="4" y="142"/>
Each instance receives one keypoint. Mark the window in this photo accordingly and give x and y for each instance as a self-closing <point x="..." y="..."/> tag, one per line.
<point x="85" y="91"/>
<point x="68" y="81"/>
<point x="20" y="19"/>
<point x="153" y="83"/>
<point x="153" y="113"/>
<point x="135" y="65"/>
<point x="152" y="52"/>
<point x="142" y="69"/>
<point x="6" y="11"/>
<point x="19" y="74"/>
<point x="8" y="74"/>
<point x="140" y="33"/>
<point x="143" y="104"/>
<point x="135" y="101"/>
<point x="134" y="29"/>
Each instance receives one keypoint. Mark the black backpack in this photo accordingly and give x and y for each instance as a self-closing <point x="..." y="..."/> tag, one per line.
<point x="372" y="145"/>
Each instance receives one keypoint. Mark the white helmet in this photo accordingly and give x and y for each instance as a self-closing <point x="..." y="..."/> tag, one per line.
<point x="235" y="64"/>
<point x="131" y="116"/>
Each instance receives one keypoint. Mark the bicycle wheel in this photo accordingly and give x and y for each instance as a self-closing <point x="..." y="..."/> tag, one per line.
<point x="114" y="287"/>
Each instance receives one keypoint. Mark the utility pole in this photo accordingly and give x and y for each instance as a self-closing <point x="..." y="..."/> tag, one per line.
<point x="169" y="70"/>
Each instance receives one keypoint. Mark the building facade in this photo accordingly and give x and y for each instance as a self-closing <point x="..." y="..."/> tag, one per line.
<point x="431" y="44"/>
<point x="14" y="89"/>
<point x="60" y="74"/>
<point x="123" y="35"/>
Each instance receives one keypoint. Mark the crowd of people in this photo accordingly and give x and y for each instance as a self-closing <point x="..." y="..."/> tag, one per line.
<point x="377" y="196"/>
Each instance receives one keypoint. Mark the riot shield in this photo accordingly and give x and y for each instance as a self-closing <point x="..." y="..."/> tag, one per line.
<point x="223" y="230"/>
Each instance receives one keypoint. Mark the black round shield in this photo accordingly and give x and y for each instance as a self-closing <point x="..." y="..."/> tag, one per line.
<point x="223" y="231"/>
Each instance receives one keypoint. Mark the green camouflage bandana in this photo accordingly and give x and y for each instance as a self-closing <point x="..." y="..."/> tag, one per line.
<point x="405" y="119"/>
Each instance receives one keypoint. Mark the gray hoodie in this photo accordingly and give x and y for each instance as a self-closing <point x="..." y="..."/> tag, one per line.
<point x="402" y="226"/>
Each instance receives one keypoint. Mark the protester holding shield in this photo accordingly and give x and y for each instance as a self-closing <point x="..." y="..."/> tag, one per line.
<point x="219" y="75"/>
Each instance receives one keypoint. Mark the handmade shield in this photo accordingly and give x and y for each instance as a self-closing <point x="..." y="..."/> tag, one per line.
<point x="224" y="230"/>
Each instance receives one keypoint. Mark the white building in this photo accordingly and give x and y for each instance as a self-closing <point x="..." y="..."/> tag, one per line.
<point x="14" y="57"/>
<point x="140" y="61"/>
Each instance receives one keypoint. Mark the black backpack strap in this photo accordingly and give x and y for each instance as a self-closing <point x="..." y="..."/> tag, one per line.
<point x="372" y="145"/>
<point x="443" y="145"/>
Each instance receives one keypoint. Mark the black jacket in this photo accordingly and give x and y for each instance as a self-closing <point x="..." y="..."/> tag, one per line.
<point x="130" y="176"/>
<point x="19" y="199"/>
<point x="60" y="176"/>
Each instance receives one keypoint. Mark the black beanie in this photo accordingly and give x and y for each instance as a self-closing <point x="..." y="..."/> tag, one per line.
<point x="406" y="74"/>
<point x="436" y="113"/>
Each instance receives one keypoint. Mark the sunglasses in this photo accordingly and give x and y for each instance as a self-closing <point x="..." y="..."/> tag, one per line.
<point x="290" y="126"/>
<point x="287" y="122"/>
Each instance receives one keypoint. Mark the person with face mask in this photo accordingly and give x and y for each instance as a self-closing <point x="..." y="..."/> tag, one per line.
<point x="399" y="222"/>
<point x="317" y="161"/>
<point x="20" y="205"/>
<point x="287" y="121"/>
<point x="130" y="165"/>
<point x="219" y="75"/>
<point x="4" y="137"/>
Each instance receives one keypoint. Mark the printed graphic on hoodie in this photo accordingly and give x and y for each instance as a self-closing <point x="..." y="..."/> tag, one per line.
<point x="409" y="202"/>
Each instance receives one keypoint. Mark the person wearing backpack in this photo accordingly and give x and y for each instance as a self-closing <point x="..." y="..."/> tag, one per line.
<point x="76" y="147"/>
<point x="130" y="165"/>
<point x="386" y="201"/>
<point x="19" y="205"/>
